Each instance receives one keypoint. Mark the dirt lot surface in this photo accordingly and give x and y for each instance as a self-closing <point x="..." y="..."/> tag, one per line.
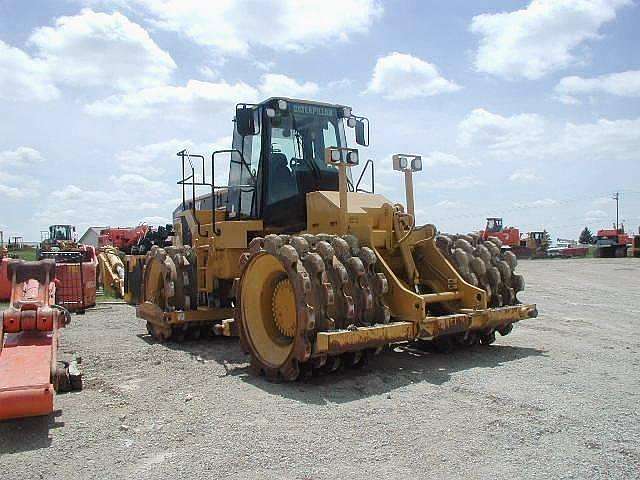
<point x="558" y="398"/>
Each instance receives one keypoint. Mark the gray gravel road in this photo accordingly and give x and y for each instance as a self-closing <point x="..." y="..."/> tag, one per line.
<point x="558" y="398"/>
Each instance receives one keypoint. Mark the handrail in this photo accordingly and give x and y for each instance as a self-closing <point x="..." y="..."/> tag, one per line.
<point x="373" y="184"/>
<point x="185" y="155"/>
<point x="195" y="181"/>
<point x="214" y="187"/>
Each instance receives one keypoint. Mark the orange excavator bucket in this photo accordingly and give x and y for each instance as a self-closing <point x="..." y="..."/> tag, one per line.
<point x="29" y="340"/>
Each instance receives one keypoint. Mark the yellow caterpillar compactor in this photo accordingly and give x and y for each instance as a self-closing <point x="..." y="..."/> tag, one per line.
<point x="308" y="268"/>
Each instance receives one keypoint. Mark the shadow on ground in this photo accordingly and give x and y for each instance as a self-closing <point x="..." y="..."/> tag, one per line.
<point x="25" y="434"/>
<point x="389" y="371"/>
<point x="383" y="373"/>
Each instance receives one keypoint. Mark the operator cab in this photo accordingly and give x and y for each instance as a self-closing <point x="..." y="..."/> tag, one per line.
<point x="59" y="233"/>
<point x="282" y="143"/>
<point x="494" y="225"/>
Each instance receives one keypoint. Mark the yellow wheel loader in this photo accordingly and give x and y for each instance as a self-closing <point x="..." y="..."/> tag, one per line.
<point x="308" y="268"/>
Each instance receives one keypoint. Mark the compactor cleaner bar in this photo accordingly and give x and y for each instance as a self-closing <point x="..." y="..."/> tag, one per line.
<point x="28" y="343"/>
<point x="341" y="341"/>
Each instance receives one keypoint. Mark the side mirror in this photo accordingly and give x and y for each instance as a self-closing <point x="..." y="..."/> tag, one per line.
<point x="362" y="133"/>
<point x="245" y="123"/>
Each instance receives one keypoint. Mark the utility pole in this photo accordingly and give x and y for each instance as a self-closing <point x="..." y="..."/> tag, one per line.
<point x="616" y="197"/>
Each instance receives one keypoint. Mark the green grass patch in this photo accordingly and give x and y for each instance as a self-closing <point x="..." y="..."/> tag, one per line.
<point x="27" y="253"/>
<point x="107" y="298"/>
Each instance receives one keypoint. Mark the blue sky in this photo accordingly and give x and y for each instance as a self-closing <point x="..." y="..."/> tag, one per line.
<point x="525" y="110"/>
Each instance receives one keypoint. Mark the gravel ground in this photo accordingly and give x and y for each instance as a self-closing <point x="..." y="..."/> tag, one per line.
<point x="558" y="398"/>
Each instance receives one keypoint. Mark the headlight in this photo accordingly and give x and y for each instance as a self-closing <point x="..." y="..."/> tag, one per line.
<point x="282" y="104"/>
<point x="352" y="158"/>
<point x="351" y="122"/>
<point x="403" y="162"/>
<point x="335" y="156"/>
<point x="346" y="112"/>
<point x="271" y="113"/>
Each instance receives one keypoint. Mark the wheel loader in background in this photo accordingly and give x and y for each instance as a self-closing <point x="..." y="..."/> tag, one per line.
<point x="308" y="268"/>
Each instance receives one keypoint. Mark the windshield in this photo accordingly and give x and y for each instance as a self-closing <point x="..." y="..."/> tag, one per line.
<point x="494" y="224"/>
<point x="298" y="143"/>
<point x="60" y="232"/>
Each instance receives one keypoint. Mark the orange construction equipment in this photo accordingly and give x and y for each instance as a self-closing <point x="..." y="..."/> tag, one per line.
<point x="508" y="236"/>
<point x="29" y="376"/>
<point x="612" y="242"/>
<point x="75" y="277"/>
<point x="124" y="239"/>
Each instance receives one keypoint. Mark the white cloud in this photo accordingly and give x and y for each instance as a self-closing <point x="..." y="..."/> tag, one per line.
<point x="198" y="94"/>
<point x="17" y="185"/>
<point x="146" y="179"/>
<point x="434" y="159"/>
<point x="23" y="77"/>
<point x="277" y="85"/>
<point x="106" y="205"/>
<point x="21" y="156"/>
<point x="137" y="182"/>
<point x="605" y="139"/>
<point x="457" y="183"/>
<point x="88" y="49"/>
<point x="541" y="38"/>
<point x="594" y="215"/>
<point x="11" y="192"/>
<point x="399" y="76"/>
<point x="623" y="84"/>
<point x="265" y="66"/>
<point x="68" y="193"/>
<point x="147" y="101"/>
<point x="230" y="26"/>
<point x="102" y="49"/>
<point x="342" y="83"/>
<point x="208" y="73"/>
<point x="602" y="202"/>
<point x="449" y="204"/>
<point x="531" y="137"/>
<point x="525" y="175"/>
<point x="501" y="135"/>
<point x="160" y="158"/>
<point x="152" y="160"/>
<point x="543" y="202"/>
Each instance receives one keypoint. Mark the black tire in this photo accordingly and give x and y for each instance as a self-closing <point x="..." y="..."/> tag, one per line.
<point x="61" y="381"/>
<point x="76" y="382"/>
<point x="488" y="338"/>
